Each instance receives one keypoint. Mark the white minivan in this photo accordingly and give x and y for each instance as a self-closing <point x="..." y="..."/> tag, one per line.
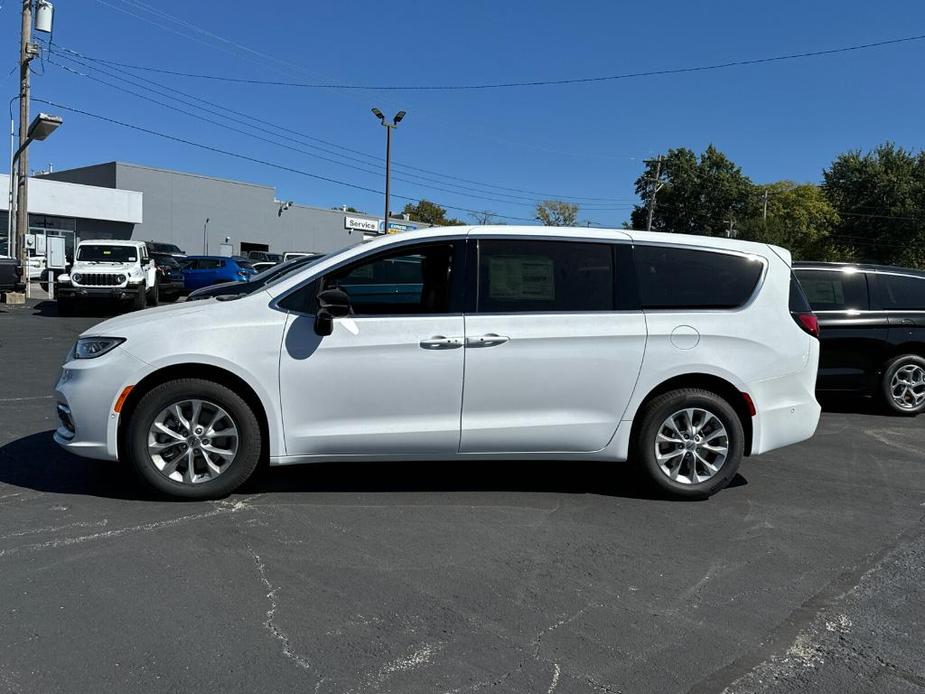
<point x="678" y="353"/>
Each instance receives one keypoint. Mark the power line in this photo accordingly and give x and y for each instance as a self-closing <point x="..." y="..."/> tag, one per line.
<point x="475" y="194"/>
<point x="589" y="203"/>
<point x="255" y="160"/>
<point x="531" y="83"/>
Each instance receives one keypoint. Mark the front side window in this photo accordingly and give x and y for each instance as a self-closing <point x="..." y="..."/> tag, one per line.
<point x="681" y="278"/>
<point x="901" y="292"/>
<point x="405" y="281"/>
<point x="544" y="276"/>
<point x="834" y="290"/>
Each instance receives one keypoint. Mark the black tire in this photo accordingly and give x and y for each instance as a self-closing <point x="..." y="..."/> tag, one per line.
<point x="141" y="299"/>
<point x="657" y="411"/>
<point x="238" y="470"/>
<point x="154" y="295"/>
<point x="890" y="369"/>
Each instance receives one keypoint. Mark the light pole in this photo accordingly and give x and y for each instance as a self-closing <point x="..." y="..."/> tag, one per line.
<point x="205" y="239"/>
<point x="39" y="129"/>
<point x="389" y="127"/>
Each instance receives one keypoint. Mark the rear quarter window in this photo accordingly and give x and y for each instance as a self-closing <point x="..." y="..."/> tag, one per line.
<point x="681" y="278"/>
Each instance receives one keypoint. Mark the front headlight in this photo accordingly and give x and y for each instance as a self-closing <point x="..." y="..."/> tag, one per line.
<point x="76" y="277"/>
<point x="93" y="347"/>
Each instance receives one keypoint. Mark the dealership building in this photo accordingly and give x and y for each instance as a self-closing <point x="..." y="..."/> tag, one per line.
<point x="200" y="214"/>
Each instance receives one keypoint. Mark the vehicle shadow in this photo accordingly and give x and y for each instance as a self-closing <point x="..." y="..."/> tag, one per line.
<point x="90" y="309"/>
<point x="850" y="403"/>
<point x="35" y="462"/>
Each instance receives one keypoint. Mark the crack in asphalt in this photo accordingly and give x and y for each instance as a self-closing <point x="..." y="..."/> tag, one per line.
<point x="270" y="624"/>
<point x="221" y="509"/>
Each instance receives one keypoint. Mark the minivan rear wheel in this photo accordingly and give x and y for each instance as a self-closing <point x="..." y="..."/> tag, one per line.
<point x="690" y="442"/>
<point x="194" y="439"/>
<point x="903" y="384"/>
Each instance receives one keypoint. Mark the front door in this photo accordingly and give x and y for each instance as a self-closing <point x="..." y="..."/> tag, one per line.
<point x="388" y="380"/>
<point x="553" y="349"/>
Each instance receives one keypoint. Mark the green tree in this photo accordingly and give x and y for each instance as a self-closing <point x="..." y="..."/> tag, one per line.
<point x="429" y="213"/>
<point x="696" y="195"/>
<point x="556" y="213"/>
<point x="799" y="218"/>
<point x="880" y="198"/>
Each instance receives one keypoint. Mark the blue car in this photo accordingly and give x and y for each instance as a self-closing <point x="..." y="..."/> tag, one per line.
<point x="205" y="270"/>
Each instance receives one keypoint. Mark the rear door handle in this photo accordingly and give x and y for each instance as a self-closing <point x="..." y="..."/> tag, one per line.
<point x="441" y="342"/>
<point x="489" y="340"/>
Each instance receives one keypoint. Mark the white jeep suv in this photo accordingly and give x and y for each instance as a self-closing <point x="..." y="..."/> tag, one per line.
<point x="679" y="353"/>
<point x="109" y="269"/>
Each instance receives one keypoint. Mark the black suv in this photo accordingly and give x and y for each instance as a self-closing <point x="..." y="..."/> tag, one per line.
<point x="872" y="319"/>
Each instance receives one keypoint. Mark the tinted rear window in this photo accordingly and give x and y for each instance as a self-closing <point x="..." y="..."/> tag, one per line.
<point x="834" y="290"/>
<point x="899" y="292"/>
<point x="682" y="278"/>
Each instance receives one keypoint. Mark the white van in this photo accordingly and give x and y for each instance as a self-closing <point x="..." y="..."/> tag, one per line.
<point x="679" y="353"/>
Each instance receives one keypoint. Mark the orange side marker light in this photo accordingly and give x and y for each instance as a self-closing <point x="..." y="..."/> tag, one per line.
<point x="123" y="396"/>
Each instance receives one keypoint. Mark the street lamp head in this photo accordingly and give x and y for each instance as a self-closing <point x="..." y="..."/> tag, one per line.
<point x="43" y="125"/>
<point x="378" y="114"/>
<point x="398" y="117"/>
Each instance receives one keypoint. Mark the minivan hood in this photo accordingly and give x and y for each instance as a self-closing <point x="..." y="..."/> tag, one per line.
<point x="115" y="327"/>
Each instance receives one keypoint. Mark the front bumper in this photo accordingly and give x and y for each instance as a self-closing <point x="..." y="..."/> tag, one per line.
<point x="69" y="291"/>
<point x="86" y="393"/>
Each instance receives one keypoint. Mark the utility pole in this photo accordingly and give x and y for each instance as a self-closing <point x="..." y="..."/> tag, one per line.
<point x="764" y="215"/>
<point x="731" y="230"/>
<point x="27" y="51"/>
<point x="656" y="186"/>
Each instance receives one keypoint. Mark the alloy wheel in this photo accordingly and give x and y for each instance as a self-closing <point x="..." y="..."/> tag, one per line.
<point x="192" y="441"/>
<point x="691" y="446"/>
<point x="907" y="387"/>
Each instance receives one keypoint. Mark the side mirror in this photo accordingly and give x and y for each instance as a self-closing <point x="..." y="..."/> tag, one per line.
<point x="324" y="323"/>
<point x="335" y="301"/>
<point x="332" y="303"/>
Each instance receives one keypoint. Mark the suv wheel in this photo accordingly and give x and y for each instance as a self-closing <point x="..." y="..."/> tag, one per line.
<point x="194" y="439"/>
<point x="141" y="298"/>
<point x="690" y="442"/>
<point x="904" y="384"/>
<point x="154" y="295"/>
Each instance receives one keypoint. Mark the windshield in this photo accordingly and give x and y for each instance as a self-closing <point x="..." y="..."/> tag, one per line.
<point x="165" y="260"/>
<point x="107" y="254"/>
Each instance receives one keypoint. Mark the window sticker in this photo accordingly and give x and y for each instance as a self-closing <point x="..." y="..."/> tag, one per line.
<point x="521" y="278"/>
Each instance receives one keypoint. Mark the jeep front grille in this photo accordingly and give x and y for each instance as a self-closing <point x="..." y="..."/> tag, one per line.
<point x="98" y="279"/>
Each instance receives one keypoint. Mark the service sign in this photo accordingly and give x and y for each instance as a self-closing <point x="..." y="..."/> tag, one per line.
<point x="361" y="224"/>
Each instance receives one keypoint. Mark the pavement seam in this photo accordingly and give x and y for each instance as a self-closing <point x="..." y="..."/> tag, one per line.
<point x="781" y="637"/>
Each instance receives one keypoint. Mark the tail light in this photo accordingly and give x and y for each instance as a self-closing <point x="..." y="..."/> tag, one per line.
<point x="808" y="322"/>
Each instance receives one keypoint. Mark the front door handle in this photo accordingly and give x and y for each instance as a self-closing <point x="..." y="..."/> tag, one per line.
<point x="489" y="340"/>
<point x="441" y="342"/>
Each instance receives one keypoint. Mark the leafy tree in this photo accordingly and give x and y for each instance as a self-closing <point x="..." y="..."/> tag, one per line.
<point x="556" y="213"/>
<point x="880" y="198"/>
<point x="800" y="218"/>
<point x="429" y="213"/>
<point x="697" y="195"/>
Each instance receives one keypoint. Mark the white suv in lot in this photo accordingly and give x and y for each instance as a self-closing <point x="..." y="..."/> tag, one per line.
<point x="109" y="269"/>
<point x="680" y="353"/>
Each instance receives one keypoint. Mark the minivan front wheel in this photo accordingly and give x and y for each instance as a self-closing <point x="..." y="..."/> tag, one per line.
<point x="690" y="442"/>
<point x="904" y="384"/>
<point x="194" y="439"/>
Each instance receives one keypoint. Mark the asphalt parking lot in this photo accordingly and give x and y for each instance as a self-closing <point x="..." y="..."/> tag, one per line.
<point x="805" y="575"/>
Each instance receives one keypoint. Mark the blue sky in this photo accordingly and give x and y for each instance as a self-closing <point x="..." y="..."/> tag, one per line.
<point x="783" y="120"/>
